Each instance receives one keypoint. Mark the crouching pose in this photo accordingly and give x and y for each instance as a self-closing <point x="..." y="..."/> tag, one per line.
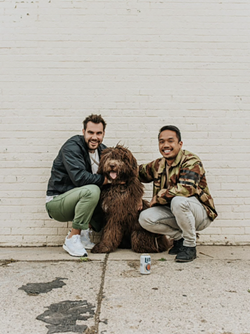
<point x="181" y="203"/>
<point x="74" y="186"/>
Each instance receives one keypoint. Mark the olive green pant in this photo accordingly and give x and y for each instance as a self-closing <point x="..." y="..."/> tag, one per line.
<point x="79" y="205"/>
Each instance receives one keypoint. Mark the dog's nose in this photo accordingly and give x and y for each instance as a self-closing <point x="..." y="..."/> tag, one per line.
<point x="112" y="165"/>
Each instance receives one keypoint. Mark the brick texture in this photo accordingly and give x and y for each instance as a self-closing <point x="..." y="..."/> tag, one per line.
<point x="141" y="64"/>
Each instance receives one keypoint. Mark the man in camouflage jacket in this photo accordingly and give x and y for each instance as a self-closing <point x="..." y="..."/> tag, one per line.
<point x="181" y="203"/>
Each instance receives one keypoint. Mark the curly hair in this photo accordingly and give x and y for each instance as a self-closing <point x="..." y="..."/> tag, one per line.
<point x="119" y="200"/>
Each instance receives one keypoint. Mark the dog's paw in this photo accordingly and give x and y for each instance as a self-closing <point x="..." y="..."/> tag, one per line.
<point x="100" y="248"/>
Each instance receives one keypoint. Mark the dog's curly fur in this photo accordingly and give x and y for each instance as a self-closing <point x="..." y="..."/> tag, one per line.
<point x="120" y="200"/>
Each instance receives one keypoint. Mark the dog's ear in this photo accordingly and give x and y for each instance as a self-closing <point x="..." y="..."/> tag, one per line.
<point x="102" y="161"/>
<point x="133" y="163"/>
<point x="103" y="158"/>
<point x="129" y="157"/>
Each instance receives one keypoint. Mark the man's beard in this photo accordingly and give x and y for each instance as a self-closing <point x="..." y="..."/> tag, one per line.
<point x="96" y="143"/>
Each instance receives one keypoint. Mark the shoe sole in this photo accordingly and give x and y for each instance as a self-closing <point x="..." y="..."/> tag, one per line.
<point x="178" y="260"/>
<point x="74" y="254"/>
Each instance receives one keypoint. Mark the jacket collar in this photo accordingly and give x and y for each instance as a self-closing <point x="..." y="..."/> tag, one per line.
<point x="99" y="149"/>
<point x="163" y="162"/>
<point x="178" y="158"/>
<point x="84" y="143"/>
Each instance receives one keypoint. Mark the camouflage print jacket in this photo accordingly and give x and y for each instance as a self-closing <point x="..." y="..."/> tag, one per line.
<point x="185" y="177"/>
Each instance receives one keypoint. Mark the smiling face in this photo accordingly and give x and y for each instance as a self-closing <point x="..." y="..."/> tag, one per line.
<point x="93" y="135"/>
<point x="169" y="145"/>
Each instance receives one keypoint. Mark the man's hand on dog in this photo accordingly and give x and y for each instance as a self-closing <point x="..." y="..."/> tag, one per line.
<point x="106" y="181"/>
<point x="153" y="202"/>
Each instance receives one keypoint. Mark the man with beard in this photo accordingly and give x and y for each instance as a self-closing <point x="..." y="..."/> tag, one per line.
<point x="181" y="203"/>
<point x="74" y="186"/>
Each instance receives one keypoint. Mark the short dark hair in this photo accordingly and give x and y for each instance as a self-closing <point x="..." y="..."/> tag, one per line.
<point x="171" y="128"/>
<point x="94" y="119"/>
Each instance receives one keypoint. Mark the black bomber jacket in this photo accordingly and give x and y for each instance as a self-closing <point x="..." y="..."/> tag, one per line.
<point x="72" y="167"/>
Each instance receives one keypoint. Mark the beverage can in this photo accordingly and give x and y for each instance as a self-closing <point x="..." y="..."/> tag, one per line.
<point x="145" y="264"/>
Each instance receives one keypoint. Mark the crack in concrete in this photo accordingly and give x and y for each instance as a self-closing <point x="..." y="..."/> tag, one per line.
<point x="95" y="329"/>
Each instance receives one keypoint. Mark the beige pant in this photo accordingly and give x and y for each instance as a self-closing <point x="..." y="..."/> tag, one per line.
<point x="185" y="216"/>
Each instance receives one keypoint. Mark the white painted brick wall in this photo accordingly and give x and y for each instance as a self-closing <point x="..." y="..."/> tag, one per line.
<point x="141" y="64"/>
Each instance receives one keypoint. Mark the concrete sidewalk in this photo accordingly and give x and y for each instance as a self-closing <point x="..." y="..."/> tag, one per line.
<point x="44" y="290"/>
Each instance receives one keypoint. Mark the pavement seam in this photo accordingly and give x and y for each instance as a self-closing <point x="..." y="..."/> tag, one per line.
<point x="95" y="328"/>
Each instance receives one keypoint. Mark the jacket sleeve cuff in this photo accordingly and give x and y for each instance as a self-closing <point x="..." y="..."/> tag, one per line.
<point x="160" y="198"/>
<point x="100" y="182"/>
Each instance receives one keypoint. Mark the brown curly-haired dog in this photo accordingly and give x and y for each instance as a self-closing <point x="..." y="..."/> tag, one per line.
<point x="120" y="200"/>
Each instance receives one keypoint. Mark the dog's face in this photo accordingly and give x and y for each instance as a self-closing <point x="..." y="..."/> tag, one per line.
<point x="118" y="164"/>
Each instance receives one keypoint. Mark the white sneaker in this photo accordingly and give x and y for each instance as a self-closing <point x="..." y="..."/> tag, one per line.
<point x="74" y="246"/>
<point x="85" y="239"/>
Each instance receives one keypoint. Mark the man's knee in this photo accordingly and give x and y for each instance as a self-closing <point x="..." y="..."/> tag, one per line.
<point x="179" y="203"/>
<point x="93" y="192"/>
<point x="143" y="218"/>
